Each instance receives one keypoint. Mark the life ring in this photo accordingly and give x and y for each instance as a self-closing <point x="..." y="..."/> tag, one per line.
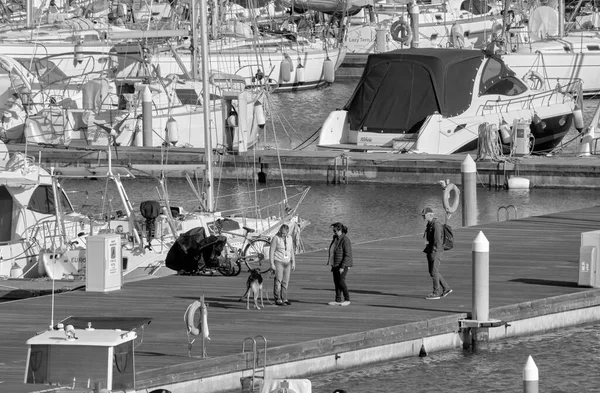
<point x="534" y="80"/>
<point x="451" y="188"/>
<point x="190" y="315"/>
<point x="401" y="32"/>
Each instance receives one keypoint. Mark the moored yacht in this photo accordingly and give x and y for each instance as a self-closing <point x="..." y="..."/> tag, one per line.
<point x="435" y="100"/>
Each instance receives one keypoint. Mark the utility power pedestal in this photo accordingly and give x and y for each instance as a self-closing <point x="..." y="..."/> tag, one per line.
<point x="521" y="137"/>
<point x="104" y="270"/>
<point x="589" y="272"/>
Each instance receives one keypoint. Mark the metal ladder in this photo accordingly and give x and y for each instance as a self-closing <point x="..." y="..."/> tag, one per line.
<point x="254" y="382"/>
<point x="507" y="210"/>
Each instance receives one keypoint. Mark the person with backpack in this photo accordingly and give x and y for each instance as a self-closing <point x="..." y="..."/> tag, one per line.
<point x="434" y="234"/>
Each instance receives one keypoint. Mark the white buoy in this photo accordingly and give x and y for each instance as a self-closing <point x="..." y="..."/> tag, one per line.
<point x="16" y="271"/>
<point x="328" y="71"/>
<point x="505" y="134"/>
<point x="585" y="143"/>
<point x="285" y="71"/>
<point x="530" y="377"/>
<point x="172" y="131"/>
<point x="518" y="183"/>
<point x="300" y="78"/>
<point x="77" y="53"/>
<point x="578" y="118"/>
<point x="259" y="112"/>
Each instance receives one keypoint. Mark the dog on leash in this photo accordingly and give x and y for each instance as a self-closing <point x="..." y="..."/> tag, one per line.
<point x="254" y="286"/>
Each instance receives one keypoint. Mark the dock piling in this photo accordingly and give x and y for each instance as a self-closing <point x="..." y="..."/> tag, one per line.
<point x="147" y="116"/>
<point x="530" y="377"/>
<point x="481" y="289"/>
<point x="468" y="170"/>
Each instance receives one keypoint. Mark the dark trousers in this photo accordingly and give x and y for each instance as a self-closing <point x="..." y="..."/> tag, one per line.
<point x="434" y="261"/>
<point x="339" y="280"/>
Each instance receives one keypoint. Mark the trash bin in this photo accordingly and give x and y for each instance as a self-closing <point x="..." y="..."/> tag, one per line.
<point x="588" y="260"/>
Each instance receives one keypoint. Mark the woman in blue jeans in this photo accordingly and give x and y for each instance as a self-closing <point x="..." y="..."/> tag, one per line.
<point x="283" y="262"/>
<point x="340" y="259"/>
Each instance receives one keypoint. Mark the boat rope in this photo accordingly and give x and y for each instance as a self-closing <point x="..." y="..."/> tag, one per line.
<point x="309" y="141"/>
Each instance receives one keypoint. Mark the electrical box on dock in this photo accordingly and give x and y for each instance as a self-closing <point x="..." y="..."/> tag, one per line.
<point x="589" y="272"/>
<point x="104" y="270"/>
<point x="521" y="138"/>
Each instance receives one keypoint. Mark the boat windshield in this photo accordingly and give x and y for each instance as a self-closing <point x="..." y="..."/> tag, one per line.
<point x="42" y="201"/>
<point x="497" y="78"/>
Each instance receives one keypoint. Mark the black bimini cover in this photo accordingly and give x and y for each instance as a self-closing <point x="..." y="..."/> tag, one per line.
<point x="399" y="89"/>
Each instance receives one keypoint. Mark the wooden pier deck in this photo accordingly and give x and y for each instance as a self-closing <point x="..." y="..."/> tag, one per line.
<point x="530" y="259"/>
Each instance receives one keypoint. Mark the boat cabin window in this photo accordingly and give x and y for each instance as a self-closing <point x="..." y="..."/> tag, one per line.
<point x="42" y="201"/>
<point x="45" y="70"/>
<point x="508" y="86"/>
<point x="6" y="212"/>
<point x="187" y="96"/>
<point x="495" y="80"/>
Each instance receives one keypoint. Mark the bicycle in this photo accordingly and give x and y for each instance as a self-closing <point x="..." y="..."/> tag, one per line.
<point x="253" y="252"/>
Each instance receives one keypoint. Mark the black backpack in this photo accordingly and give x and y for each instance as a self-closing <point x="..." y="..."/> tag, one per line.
<point x="448" y="237"/>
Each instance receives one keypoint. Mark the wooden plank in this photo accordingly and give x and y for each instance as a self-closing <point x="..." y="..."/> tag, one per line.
<point x="531" y="260"/>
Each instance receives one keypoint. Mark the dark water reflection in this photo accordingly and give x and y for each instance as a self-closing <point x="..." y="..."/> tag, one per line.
<point x="566" y="360"/>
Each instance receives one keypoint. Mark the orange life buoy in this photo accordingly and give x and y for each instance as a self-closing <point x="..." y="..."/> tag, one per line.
<point x="401" y="32"/>
<point x="190" y="315"/>
<point x="451" y="207"/>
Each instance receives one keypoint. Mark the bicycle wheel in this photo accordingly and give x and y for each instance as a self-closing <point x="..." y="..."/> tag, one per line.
<point x="232" y="269"/>
<point x="256" y="255"/>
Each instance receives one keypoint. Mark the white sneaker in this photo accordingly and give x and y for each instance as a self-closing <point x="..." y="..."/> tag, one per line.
<point x="335" y="303"/>
<point x="346" y="303"/>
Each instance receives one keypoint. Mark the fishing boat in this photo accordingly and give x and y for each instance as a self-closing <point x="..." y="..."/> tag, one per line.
<point x="543" y="50"/>
<point x="436" y="100"/>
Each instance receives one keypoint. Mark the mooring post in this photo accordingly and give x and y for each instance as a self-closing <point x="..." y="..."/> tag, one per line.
<point x="147" y="116"/>
<point x="481" y="289"/>
<point x="468" y="171"/>
<point x="530" y="377"/>
<point x="413" y="10"/>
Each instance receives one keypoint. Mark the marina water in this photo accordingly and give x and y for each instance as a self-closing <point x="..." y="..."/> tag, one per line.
<point x="567" y="359"/>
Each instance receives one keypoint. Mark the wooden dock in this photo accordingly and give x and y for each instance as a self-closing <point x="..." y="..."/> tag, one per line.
<point x="564" y="170"/>
<point x="531" y="259"/>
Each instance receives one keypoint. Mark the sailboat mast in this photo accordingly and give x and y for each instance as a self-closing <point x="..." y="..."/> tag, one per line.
<point x="194" y="56"/>
<point x="205" y="106"/>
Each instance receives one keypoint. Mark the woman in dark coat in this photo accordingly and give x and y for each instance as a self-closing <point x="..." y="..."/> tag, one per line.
<point x="340" y="259"/>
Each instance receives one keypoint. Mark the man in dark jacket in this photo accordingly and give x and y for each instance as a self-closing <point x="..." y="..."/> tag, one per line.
<point x="340" y="259"/>
<point x="434" y="234"/>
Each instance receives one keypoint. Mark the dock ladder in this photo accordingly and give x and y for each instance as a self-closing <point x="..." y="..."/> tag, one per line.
<point x="254" y="382"/>
<point x="340" y="170"/>
<point x="507" y="210"/>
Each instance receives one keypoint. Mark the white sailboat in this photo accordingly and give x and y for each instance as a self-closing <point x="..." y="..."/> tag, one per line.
<point x="145" y="241"/>
<point x="545" y="53"/>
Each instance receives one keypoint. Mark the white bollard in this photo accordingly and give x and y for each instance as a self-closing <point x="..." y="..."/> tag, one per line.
<point x="468" y="170"/>
<point x="480" y="336"/>
<point x="147" y="117"/>
<point x="530" y="377"/>
<point x="481" y="278"/>
<point x="413" y="9"/>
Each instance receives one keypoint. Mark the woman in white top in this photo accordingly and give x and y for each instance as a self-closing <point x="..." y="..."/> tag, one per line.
<point x="282" y="263"/>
